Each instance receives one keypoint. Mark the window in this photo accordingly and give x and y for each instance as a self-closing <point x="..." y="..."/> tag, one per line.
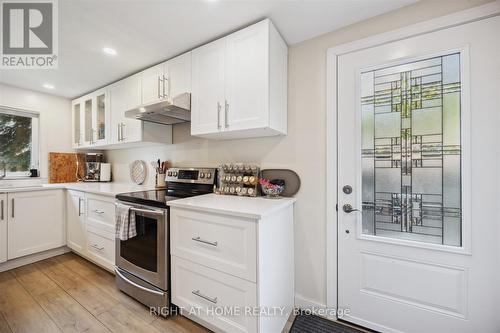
<point x="412" y="151"/>
<point x="18" y="141"/>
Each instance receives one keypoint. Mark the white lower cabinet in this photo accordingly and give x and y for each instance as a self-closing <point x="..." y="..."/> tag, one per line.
<point x="226" y="269"/>
<point x="101" y="247"/>
<point x="91" y="227"/>
<point x="41" y="220"/>
<point x="75" y="221"/>
<point x="197" y="286"/>
<point x="35" y="222"/>
<point x="3" y="227"/>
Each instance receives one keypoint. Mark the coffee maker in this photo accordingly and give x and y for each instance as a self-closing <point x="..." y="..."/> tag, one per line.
<point x="93" y="167"/>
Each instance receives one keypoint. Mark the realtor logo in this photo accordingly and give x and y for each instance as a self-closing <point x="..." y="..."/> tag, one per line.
<point x="29" y="34"/>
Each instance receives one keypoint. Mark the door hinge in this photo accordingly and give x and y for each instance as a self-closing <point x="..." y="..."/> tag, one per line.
<point x="337" y="207"/>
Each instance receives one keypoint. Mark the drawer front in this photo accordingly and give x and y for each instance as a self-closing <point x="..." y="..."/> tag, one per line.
<point x="101" y="249"/>
<point x="209" y="294"/>
<point x="220" y="242"/>
<point x="101" y="210"/>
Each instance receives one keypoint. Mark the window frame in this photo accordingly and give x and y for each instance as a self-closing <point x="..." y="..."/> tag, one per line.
<point x="35" y="139"/>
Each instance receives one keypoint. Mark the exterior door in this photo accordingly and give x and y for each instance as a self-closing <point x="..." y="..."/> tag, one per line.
<point x="417" y="163"/>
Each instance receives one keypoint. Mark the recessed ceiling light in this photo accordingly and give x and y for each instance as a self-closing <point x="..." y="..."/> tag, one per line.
<point x="48" y="86"/>
<point x="109" y="51"/>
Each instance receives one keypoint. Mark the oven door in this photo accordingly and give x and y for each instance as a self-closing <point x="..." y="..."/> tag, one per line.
<point x="146" y="255"/>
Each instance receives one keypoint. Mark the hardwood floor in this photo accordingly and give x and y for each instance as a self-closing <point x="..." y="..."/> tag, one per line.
<point x="69" y="294"/>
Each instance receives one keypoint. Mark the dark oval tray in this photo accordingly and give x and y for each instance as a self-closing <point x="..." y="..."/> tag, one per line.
<point x="292" y="179"/>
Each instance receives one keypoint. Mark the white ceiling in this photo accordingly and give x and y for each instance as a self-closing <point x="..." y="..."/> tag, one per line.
<point x="147" y="32"/>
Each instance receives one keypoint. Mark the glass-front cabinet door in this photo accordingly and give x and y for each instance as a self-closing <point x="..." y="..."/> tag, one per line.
<point x="88" y="130"/>
<point x="101" y="117"/>
<point x="76" y="121"/>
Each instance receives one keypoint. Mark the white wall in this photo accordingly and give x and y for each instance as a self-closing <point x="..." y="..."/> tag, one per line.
<point x="55" y="119"/>
<point x="303" y="150"/>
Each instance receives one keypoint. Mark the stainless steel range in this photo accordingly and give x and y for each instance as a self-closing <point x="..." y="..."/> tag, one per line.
<point x="143" y="262"/>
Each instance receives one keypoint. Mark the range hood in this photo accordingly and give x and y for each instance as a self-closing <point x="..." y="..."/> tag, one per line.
<point x="164" y="112"/>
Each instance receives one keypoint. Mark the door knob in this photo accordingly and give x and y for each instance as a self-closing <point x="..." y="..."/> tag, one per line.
<point x="347" y="208"/>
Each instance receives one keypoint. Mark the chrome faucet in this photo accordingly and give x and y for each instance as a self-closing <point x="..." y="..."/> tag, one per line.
<point x="4" y="170"/>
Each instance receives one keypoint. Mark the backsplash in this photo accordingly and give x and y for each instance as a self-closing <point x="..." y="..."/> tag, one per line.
<point x="63" y="167"/>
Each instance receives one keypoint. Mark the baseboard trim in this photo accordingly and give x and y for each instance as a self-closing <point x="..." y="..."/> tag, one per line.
<point x="302" y="302"/>
<point x="18" y="262"/>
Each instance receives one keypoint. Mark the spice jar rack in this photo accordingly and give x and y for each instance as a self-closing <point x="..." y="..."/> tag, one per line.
<point x="238" y="179"/>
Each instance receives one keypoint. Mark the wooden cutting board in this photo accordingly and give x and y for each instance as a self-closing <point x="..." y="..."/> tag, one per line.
<point x="62" y="167"/>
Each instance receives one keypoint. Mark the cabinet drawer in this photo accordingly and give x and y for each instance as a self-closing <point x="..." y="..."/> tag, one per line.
<point x="198" y="287"/>
<point x="227" y="244"/>
<point x="101" y="210"/>
<point x="101" y="249"/>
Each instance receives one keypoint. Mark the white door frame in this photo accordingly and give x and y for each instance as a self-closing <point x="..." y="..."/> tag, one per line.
<point x="459" y="18"/>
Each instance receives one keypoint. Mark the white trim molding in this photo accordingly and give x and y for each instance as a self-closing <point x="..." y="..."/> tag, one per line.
<point x="32" y="258"/>
<point x="466" y="16"/>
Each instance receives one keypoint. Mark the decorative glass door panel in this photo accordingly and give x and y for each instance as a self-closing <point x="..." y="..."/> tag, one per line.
<point x="101" y="116"/>
<point x="76" y="124"/>
<point x="88" y="120"/>
<point x="411" y="151"/>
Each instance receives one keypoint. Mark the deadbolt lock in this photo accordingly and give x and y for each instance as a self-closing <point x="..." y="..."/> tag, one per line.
<point x="347" y="189"/>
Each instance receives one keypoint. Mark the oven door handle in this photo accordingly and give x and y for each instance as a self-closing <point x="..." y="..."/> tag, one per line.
<point x="137" y="285"/>
<point x="146" y="211"/>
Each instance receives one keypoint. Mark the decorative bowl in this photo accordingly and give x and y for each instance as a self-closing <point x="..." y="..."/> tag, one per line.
<point x="273" y="188"/>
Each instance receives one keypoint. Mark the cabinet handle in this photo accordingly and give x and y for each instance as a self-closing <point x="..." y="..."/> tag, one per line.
<point x="100" y="212"/>
<point x="1" y="208"/>
<point x="79" y="206"/>
<point x="218" y="115"/>
<point x="226" y="114"/>
<point x="210" y="299"/>
<point x="164" y="82"/>
<point x="123" y="136"/>
<point x="200" y="240"/>
<point x="95" y="246"/>
<point x="12" y="208"/>
<point x="158" y="86"/>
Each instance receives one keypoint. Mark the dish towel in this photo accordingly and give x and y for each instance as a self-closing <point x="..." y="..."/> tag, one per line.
<point x="125" y="222"/>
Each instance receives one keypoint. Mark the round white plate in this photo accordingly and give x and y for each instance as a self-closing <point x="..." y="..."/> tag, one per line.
<point x="138" y="171"/>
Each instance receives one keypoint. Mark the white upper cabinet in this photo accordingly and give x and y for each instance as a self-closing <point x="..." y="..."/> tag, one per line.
<point x="178" y="76"/>
<point x="153" y="84"/>
<point x="208" y="88"/>
<point x="247" y="79"/>
<point x="240" y="85"/>
<point x="76" y="123"/>
<point x="125" y="95"/>
<point x="166" y="80"/>
<point x="90" y="120"/>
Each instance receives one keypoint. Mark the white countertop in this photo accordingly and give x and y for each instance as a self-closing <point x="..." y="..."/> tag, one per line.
<point x="108" y="189"/>
<point x="254" y="208"/>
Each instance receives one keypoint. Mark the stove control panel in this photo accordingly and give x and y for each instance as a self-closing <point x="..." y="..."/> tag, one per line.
<point x="191" y="175"/>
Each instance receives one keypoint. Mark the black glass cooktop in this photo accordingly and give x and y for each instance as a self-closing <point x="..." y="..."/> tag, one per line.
<point x="159" y="198"/>
<point x="156" y="198"/>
